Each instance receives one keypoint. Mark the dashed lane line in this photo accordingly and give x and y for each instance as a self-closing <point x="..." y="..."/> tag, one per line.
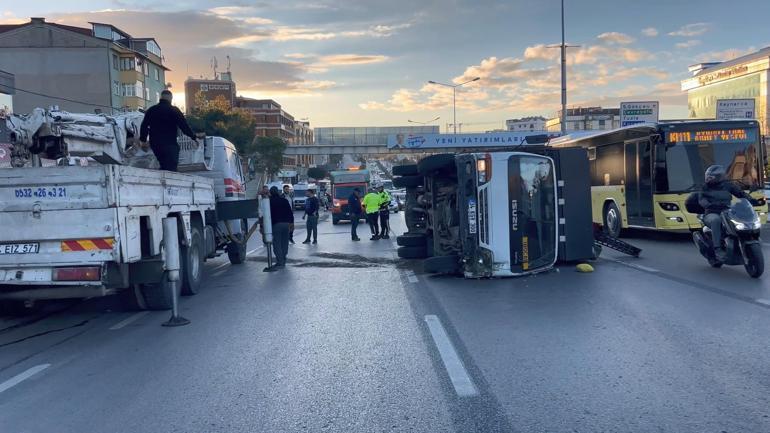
<point x="458" y="375"/>
<point x="635" y="266"/>
<point x="129" y="320"/>
<point x="21" y="377"/>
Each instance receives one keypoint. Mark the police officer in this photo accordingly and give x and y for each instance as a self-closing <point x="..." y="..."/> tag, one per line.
<point x="384" y="211"/>
<point x="161" y="122"/>
<point x="371" y="204"/>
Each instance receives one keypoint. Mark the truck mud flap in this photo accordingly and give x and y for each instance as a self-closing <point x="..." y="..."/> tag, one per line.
<point x="238" y="209"/>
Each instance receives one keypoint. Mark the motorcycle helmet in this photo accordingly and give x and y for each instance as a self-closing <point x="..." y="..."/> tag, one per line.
<point x="715" y="174"/>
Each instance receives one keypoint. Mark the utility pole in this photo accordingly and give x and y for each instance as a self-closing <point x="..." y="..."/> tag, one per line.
<point x="563" y="47"/>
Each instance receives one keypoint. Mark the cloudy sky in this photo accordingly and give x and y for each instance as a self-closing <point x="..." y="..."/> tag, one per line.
<point x="367" y="62"/>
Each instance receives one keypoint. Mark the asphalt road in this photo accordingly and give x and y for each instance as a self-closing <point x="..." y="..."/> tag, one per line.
<point x="350" y="339"/>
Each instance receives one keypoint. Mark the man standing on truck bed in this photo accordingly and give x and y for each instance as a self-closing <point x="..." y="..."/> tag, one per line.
<point x="161" y="121"/>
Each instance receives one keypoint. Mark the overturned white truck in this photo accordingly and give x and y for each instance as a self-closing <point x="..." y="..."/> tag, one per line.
<point x="499" y="212"/>
<point x="79" y="221"/>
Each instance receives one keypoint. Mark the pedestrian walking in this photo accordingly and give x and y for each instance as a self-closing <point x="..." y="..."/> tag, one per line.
<point x="289" y="197"/>
<point x="282" y="219"/>
<point x="312" y="207"/>
<point x="372" y="207"/>
<point x="384" y="212"/>
<point x="354" y="205"/>
<point x="161" y="123"/>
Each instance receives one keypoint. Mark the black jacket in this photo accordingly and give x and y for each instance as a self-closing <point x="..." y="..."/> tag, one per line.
<point x="354" y="205"/>
<point x="717" y="198"/>
<point x="161" y="122"/>
<point x="280" y="211"/>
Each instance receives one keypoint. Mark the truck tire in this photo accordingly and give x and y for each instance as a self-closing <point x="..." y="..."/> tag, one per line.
<point x="412" y="252"/>
<point x="434" y="163"/>
<point x="158" y="295"/>
<point x="442" y="264"/>
<point x="335" y="221"/>
<point x="405" y="170"/>
<point x="191" y="263"/>
<point x="236" y="251"/>
<point x="408" y="181"/>
<point x="613" y="220"/>
<point x="411" y="240"/>
<point x="132" y="298"/>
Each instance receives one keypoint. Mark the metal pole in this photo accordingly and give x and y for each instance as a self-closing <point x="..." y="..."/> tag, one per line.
<point x="171" y="252"/>
<point x="563" y="75"/>
<point x="454" y="107"/>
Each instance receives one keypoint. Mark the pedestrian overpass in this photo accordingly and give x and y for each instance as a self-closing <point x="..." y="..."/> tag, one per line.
<point x="344" y="149"/>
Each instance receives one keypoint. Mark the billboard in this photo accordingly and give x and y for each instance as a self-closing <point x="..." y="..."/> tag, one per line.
<point x="437" y="141"/>
<point x="735" y="109"/>
<point x="209" y="90"/>
<point x="632" y="113"/>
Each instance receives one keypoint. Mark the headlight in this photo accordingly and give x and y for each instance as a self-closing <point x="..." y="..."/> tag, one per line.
<point x="754" y="225"/>
<point x="669" y="206"/>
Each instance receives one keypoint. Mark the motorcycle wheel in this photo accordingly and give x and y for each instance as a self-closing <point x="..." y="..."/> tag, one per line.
<point x="715" y="263"/>
<point x="755" y="260"/>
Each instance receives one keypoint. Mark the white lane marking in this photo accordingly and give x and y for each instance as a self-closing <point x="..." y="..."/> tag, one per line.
<point x="255" y="250"/>
<point x="15" y="380"/>
<point x="219" y="273"/>
<point x="763" y="301"/>
<point x="220" y="266"/>
<point x="411" y="277"/>
<point x="459" y="376"/>
<point x="129" y="320"/>
<point x="634" y="265"/>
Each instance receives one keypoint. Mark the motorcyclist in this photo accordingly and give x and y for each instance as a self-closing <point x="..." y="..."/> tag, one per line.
<point x="715" y="198"/>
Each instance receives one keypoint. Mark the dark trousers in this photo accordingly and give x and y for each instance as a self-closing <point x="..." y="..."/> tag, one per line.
<point x="354" y="225"/>
<point x="384" y="223"/>
<point x="714" y="222"/>
<point x="371" y="218"/>
<point x="167" y="156"/>
<point x="312" y="227"/>
<point x="280" y="243"/>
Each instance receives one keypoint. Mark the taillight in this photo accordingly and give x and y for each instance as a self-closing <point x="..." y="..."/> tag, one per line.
<point x="484" y="168"/>
<point x="80" y="273"/>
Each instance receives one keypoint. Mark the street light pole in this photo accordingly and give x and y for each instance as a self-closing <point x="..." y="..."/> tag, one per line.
<point x="563" y="75"/>
<point x="454" y="97"/>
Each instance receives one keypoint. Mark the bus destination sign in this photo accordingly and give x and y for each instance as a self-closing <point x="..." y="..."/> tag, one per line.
<point x="712" y="135"/>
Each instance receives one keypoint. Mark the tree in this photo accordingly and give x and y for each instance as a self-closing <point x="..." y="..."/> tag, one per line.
<point x="268" y="153"/>
<point x="233" y="124"/>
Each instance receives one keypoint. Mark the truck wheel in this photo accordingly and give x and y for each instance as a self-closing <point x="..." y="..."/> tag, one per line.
<point x="335" y="221"/>
<point x="613" y="220"/>
<point x="408" y="181"/>
<point x="158" y="295"/>
<point x="132" y="298"/>
<point x="191" y="262"/>
<point x="755" y="260"/>
<point x="236" y="252"/>
<point x="405" y="170"/>
<point x="434" y="163"/>
<point x="411" y="240"/>
<point x="412" y="252"/>
<point x="442" y="264"/>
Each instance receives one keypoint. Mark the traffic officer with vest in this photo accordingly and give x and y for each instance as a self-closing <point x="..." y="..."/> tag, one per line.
<point x="371" y="204"/>
<point x="384" y="211"/>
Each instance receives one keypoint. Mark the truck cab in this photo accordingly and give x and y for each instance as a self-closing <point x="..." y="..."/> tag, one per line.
<point x="497" y="214"/>
<point x="343" y="183"/>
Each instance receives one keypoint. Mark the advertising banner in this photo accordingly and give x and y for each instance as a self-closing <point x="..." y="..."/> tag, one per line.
<point x="437" y="141"/>
<point x="632" y="113"/>
<point x="735" y="109"/>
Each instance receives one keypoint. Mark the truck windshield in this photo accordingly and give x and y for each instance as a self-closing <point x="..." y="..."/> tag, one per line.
<point x="343" y="192"/>
<point x="532" y="210"/>
<point x="687" y="160"/>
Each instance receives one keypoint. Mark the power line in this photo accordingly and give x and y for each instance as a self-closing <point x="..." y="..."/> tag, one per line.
<point x="59" y="98"/>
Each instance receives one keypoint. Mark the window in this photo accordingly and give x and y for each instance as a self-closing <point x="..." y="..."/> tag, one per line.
<point x="157" y="96"/>
<point x="115" y="62"/>
<point x="116" y="88"/>
<point x="601" y="123"/>
<point x="138" y="63"/>
<point x="126" y="63"/>
<point x="157" y="73"/>
<point x="146" y="94"/>
<point x="129" y="90"/>
<point x="139" y="89"/>
<point x="577" y="126"/>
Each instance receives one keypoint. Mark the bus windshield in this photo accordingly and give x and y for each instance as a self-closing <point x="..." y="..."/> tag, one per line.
<point x="690" y="153"/>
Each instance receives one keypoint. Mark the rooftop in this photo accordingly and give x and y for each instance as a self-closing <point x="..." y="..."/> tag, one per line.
<point x="82" y="30"/>
<point x="703" y="68"/>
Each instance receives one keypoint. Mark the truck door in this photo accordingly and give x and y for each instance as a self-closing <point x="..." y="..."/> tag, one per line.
<point x="532" y="208"/>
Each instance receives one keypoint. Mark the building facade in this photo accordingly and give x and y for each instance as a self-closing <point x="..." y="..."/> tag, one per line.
<point x="271" y="120"/>
<point x="745" y="77"/>
<point x="79" y="69"/>
<point x="201" y="91"/>
<point x="526" y="124"/>
<point x="586" y="119"/>
<point x="7" y="90"/>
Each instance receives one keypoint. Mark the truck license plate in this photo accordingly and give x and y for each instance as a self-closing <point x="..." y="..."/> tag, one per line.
<point x="29" y="248"/>
<point x="472" y="216"/>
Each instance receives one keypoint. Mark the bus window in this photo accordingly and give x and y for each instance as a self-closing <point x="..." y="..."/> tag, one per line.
<point x="608" y="169"/>
<point x="686" y="163"/>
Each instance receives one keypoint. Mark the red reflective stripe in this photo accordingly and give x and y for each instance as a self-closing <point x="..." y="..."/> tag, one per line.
<point x="102" y="244"/>
<point x="74" y="246"/>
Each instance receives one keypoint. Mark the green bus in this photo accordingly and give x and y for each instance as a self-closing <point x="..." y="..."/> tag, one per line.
<point x="642" y="174"/>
